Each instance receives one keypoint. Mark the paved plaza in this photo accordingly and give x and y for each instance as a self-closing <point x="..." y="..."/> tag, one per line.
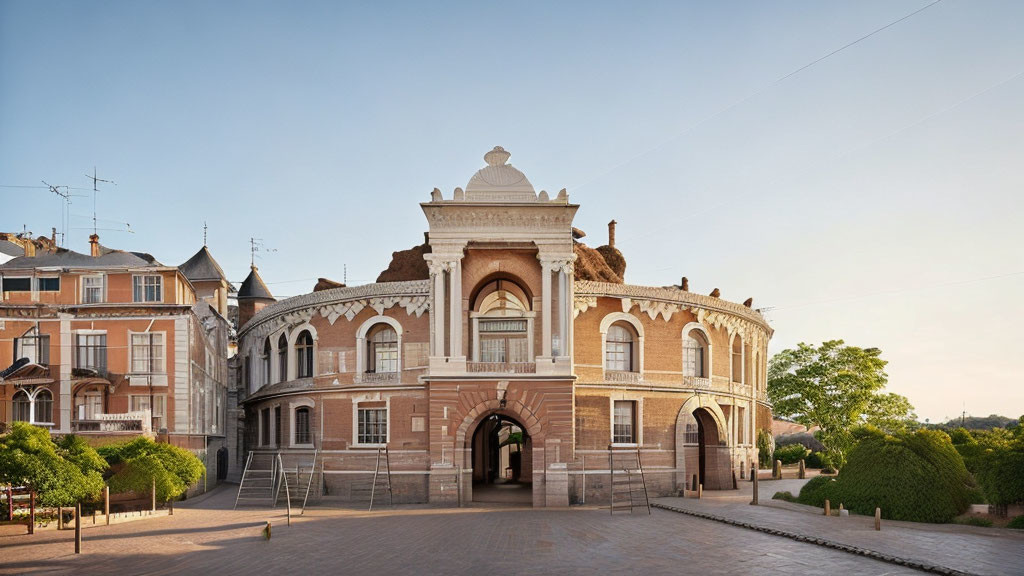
<point x="207" y="537"/>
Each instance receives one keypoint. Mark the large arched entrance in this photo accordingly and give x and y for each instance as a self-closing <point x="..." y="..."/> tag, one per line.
<point x="702" y="456"/>
<point x="502" y="460"/>
<point x="707" y="440"/>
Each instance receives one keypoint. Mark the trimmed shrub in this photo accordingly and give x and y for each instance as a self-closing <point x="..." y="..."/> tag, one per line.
<point x="1000" y="472"/>
<point x="787" y="496"/>
<point x="765" y="448"/>
<point x="975" y="521"/>
<point x="918" y="477"/>
<point x="1017" y="523"/>
<point x="140" y="462"/>
<point x="60" y="473"/>
<point x="791" y="454"/>
<point x="816" y="460"/>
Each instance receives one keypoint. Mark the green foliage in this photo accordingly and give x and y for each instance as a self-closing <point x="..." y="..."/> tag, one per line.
<point x="961" y="436"/>
<point x="1000" y="472"/>
<point x="787" y="496"/>
<point x="816" y="460"/>
<point x="61" y="474"/>
<point x="1017" y="523"/>
<point x="835" y="387"/>
<point x="978" y="422"/>
<point x="918" y="477"/>
<point x="791" y="454"/>
<point x="765" y="448"/>
<point x="141" y="461"/>
<point x="974" y="521"/>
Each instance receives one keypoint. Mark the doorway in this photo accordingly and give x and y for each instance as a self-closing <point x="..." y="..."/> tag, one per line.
<point x="502" y="462"/>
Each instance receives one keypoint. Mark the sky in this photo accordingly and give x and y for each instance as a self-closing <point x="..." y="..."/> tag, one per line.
<point x="875" y="196"/>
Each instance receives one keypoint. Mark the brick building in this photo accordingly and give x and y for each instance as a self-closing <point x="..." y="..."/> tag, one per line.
<point x="114" y="343"/>
<point x="504" y="356"/>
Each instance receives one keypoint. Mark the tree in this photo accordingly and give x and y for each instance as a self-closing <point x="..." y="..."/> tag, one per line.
<point x="140" y="462"/>
<point x="61" y="473"/>
<point x="835" y="387"/>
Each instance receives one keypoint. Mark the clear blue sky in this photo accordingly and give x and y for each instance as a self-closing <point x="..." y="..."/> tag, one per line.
<point x="849" y="196"/>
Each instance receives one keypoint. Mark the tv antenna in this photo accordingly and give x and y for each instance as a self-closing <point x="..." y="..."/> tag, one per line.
<point x="204" y="232"/>
<point x="95" y="188"/>
<point x="256" y="245"/>
<point x="65" y="213"/>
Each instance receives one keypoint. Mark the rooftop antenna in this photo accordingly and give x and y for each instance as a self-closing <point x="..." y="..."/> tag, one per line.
<point x="204" y="232"/>
<point x="65" y="213"/>
<point x="256" y="245"/>
<point x="95" y="189"/>
<point x="344" y="274"/>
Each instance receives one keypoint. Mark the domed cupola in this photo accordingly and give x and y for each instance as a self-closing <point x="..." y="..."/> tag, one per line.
<point x="499" y="181"/>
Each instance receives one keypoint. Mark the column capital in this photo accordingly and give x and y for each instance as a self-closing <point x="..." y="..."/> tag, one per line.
<point x="438" y="263"/>
<point x="557" y="262"/>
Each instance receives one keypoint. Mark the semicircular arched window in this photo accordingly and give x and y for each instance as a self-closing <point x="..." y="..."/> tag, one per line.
<point x="282" y="358"/>
<point x="304" y="355"/>
<point x="502" y="326"/>
<point x="382" y="350"/>
<point x="620" y="348"/>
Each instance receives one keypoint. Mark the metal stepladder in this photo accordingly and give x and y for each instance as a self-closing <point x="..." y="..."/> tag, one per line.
<point x="627" y="490"/>
<point x="259" y="479"/>
<point x="382" y="451"/>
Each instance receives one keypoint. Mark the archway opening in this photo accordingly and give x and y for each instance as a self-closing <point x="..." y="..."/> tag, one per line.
<point x="707" y="447"/>
<point x="502" y="461"/>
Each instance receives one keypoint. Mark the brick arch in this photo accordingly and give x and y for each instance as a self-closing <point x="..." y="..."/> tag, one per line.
<point x="513" y="409"/>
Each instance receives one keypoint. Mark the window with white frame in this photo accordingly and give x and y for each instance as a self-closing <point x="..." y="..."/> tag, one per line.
<point x="619" y="349"/>
<point x="147" y="353"/>
<point x="33" y="345"/>
<point x="21" y="407"/>
<point x="304" y="355"/>
<point x="624" y="422"/>
<point x="694" y="353"/>
<point x="302" y="425"/>
<point x="373" y="425"/>
<point x="158" y="406"/>
<point x="92" y="290"/>
<point x="44" y="406"/>
<point x="737" y="359"/>
<point x="148" y="288"/>
<point x="91" y="352"/>
<point x="382" y="350"/>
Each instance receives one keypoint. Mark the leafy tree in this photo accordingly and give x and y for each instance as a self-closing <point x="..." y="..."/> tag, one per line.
<point x="836" y="387"/>
<point x="141" y="461"/>
<point x="61" y="473"/>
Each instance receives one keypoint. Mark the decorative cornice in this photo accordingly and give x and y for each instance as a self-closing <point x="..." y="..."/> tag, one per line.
<point x="665" y="302"/>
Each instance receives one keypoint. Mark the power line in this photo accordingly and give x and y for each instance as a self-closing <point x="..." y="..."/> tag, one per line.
<point x="747" y="98"/>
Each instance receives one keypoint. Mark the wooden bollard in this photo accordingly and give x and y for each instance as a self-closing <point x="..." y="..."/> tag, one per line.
<point x="78" y="528"/>
<point x="777" y="470"/>
<point x="735" y="485"/>
<point x="152" y="493"/>
<point x="170" y="507"/>
<point x="803" y="469"/>
<point x="878" y="518"/>
<point x="106" y="503"/>
<point x="93" y="515"/>
<point x="753" y="475"/>
<point x="32" y="512"/>
<point x="700" y="491"/>
<point x="753" y="472"/>
<point x="60" y="517"/>
<point x="694" y="483"/>
<point x="828" y="508"/>
<point x="266" y="531"/>
<point x="10" y="503"/>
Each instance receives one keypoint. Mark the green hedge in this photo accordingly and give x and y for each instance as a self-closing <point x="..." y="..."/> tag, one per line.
<point x="1017" y="523"/>
<point x="791" y="454"/>
<point x="918" y="477"/>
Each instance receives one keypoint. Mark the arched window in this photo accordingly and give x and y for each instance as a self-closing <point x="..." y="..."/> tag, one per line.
<point x="695" y="355"/>
<point x="502" y="325"/>
<point x="382" y="350"/>
<point x="304" y="355"/>
<point x="302" y="434"/>
<point x="44" y="406"/>
<point x="282" y="358"/>
<point x="265" y="362"/>
<point x="619" y="348"/>
<point x="737" y="359"/>
<point x="21" y="406"/>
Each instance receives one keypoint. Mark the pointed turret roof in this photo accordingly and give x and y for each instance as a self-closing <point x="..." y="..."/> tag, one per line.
<point x="253" y="287"/>
<point x="202" y="267"/>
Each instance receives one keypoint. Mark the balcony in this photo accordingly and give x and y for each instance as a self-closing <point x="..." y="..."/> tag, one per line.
<point x="622" y="376"/>
<point x="501" y="367"/>
<point x="136" y="422"/>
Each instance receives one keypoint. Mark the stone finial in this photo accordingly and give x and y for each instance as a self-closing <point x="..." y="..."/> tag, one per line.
<point x="459" y="195"/>
<point x="716" y="293"/>
<point x="543" y="196"/>
<point x="563" y="196"/>
<point x="497" y="156"/>
<point x="435" y="195"/>
<point x="748" y="302"/>
<point x="685" y="284"/>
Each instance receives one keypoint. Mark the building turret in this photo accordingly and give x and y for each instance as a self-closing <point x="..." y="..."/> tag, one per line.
<point x="253" y="296"/>
<point x="209" y="280"/>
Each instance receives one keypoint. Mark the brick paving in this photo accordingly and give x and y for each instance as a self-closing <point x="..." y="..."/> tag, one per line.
<point x="207" y="537"/>
<point x="966" y="549"/>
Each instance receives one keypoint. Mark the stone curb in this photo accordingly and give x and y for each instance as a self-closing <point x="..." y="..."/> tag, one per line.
<point x="909" y="563"/>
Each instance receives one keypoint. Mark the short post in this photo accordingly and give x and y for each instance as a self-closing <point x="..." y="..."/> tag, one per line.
<point x="170" y="507"/>
<point x="777" y="472"/>
<point x="700" y="491"/>
<point x="106" y="503"/>
<point x="878" y="518"/>
<point x="78" y="528"/>
<point x="754" y="477"/>
<point x="694" y="483"/>
<point x="753" y="472"/>
<point x="60" y="517"/>
<point x="94" y="516"/>
<point x="10" y="503"/>
<point x="828" y="508"/>
<point x="32" y="512"/>
<point x="803" y="469"/>
<point x="152" y="494"/>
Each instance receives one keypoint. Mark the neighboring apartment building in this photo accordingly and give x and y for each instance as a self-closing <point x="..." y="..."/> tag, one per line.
<point x="503" y="355"/>
<point x="114" y="343"/>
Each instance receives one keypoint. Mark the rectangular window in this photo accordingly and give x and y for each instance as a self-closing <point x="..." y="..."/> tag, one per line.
<point x="302" y="435"/>
<point x="277" y="425"/>
<point x="147" y="288"/>
<point x="91" y="352"/>
<point x="17" y="284"/>
<point x="265" y="427"/>
<point x="92" y="289"/>
<point x="33" y="346"/>
<point x="148" y="353"/>
<point x="373" y="426"/>
<point x="624" y="426"/>
<point x="49" y="284"/>
<point x="618" y="356"/>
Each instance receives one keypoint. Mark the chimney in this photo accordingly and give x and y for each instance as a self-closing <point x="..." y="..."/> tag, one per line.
<point x="611" y="233"/>
<point x="30" y="248"/>
<point x="94" y="245"/>
<point x="685" y="284"/>
<point x="53" y="236"/>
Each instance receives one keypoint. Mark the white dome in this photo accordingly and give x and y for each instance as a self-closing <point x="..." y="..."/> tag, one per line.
<point x="499" y="181"/>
